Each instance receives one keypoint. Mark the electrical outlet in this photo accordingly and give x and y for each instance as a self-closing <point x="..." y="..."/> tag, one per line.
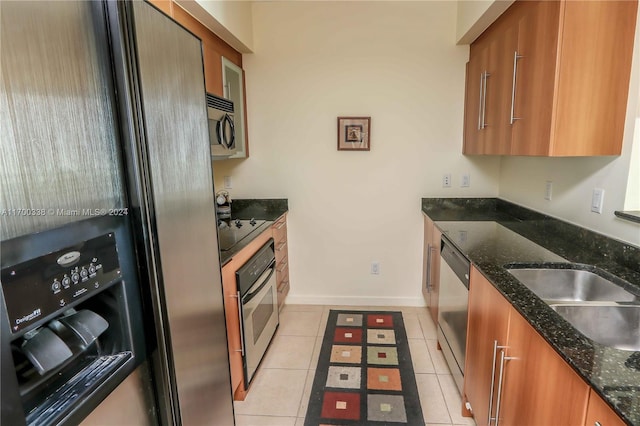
<point x="548" y="190"/>
<point x="375" y="268"/>
<point x="227" y="182"/>
<point x="446" y="180"/>
<point x="597" y="200"/>
<point x="466" y="181"/>
<point x="462" y="237"/>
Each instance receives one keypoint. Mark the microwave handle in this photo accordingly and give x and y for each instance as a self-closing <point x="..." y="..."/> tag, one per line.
<point x="222" y="135"/>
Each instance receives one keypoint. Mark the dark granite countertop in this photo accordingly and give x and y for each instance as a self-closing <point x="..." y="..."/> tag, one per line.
<point x="259" y="209"/>
<point x="227" y="255"/>
<point x="262" y="208"/>
<point x="494" y="233"/>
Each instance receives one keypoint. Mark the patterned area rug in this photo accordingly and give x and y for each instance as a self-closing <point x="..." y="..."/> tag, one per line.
<point x="364" y="374"/>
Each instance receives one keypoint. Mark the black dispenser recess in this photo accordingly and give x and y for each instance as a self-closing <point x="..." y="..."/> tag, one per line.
<point x="69" y="314"/>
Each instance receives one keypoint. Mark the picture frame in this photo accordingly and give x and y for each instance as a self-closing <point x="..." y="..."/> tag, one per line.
<point x="354" y="133"/>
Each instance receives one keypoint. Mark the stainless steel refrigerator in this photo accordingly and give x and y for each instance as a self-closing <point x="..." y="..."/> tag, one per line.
<point x="103" y="107"/>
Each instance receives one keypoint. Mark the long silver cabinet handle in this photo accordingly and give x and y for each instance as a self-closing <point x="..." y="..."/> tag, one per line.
<point x="493" y="380"/>
<point x="513" y="86"/>
<point x="280" y="225"/>
<point x="480" y="101"/>
<point x="237" y="296"/>
<point x="503" y="359"/>
<point x="429" y="268"/>
<point x="484" y="99"/>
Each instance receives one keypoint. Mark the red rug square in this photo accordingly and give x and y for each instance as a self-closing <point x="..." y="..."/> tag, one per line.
<point x="341" y="405"/>
<point x="347" y="335"/>
<point x="380" y="321"/>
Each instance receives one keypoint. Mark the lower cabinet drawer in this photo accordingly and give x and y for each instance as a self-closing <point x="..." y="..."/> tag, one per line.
<point x="283" y="290"/>
<point x="282" y="269"/>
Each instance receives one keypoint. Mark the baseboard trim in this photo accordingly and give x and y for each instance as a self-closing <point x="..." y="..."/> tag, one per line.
<point x="355" y="301"/>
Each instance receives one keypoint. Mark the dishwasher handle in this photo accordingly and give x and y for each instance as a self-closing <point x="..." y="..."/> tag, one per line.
<point x="458" y="263"/>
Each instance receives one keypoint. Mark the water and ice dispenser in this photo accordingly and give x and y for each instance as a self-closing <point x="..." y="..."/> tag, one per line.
<point x="70" y="321"/>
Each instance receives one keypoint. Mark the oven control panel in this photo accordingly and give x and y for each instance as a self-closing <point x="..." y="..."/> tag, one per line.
<point x="41" y="287"/>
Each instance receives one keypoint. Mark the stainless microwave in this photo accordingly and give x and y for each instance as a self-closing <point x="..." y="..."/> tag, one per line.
<point x="222" y="134"/>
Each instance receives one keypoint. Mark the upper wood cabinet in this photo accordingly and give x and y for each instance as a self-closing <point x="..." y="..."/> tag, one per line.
<point x="223" y="73"/>
<point x="213" y="49"/>
<point x="551" y="78"/>
<point x="511" y="372"/>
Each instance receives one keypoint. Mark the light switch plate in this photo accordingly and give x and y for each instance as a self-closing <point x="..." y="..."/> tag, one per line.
<point x="548" y="190"/>
<point x="597" y="200"/>
<point x="227" y="182"/>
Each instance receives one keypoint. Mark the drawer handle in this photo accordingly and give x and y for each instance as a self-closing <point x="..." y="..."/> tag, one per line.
<point x="281" y="246"/>
<point x="281" y="225"/>
<point x="283" y="267"/>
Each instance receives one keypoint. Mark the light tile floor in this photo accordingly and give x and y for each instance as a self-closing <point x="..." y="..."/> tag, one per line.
<point x="280" y="390"/>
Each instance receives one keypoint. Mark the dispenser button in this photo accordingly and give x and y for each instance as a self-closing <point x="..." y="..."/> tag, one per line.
<point x="75" y="277"/>
<point x="55" y="286"/>
<point x="84" y="273"/>
<point x="92" y="269"/>
<point x="66" y="282"/>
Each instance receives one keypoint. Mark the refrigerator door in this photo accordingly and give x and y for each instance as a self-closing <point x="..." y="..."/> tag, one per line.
<point x="180" y="184"/>
<point x="59" y="162"/>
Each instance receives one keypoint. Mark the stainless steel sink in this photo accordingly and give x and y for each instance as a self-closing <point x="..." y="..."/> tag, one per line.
<point x="571" y="285"/>
<point x="616" y="326"/>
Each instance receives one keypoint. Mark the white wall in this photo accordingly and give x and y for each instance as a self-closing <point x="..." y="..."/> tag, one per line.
<point x="394" y="61"/>
<point x="522" y="179"/>
<point x="231" y="20"/>
<point x="475" y="16"/>
<point x="632" y="199"/>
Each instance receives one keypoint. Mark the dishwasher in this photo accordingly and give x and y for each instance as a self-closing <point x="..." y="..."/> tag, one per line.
<point x="452" y="308"/>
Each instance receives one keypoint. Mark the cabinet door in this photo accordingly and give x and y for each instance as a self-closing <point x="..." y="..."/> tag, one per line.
<point x="600" y="414"/>
<point x="475" y="99"/>
<point x="499" y="90"/>
<point x="212" y="70"/>
<point x="534" y="68"/>
<point x="539" y="388"/>
<point x="486" y="329"/>
<point x="593" y="77"/>
<point x="233" y="89"/>
<point x="434" y="272"/>
<point x="426" y="259"/>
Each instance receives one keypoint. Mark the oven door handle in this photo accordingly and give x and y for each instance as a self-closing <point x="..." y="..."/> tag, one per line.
<point x="260" y="283"/>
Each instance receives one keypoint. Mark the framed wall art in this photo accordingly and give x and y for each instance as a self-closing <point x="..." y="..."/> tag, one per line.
<point x="354" y="133"/>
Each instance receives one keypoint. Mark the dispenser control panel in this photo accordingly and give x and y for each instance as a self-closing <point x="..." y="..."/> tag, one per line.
<point x="38" y="288"/>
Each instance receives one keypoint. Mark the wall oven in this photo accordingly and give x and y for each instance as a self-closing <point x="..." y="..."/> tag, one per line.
<point x="222" y="133"/>
<point x="258" y="298"/>
<point x="452" y="308"/>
